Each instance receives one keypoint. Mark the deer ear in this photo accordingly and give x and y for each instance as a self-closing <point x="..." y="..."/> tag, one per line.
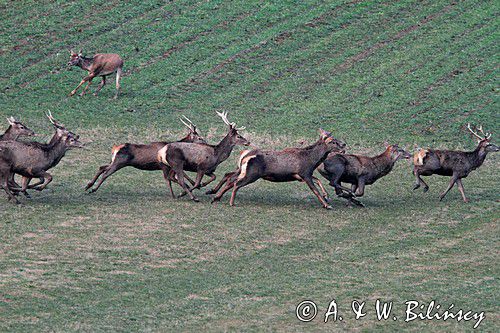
<point x="10" y="121"/>
<point x="80" y="53"/>
<point x="386" y="144"/>
<point x="71" y="52"/>
<point x="323" y="133"/>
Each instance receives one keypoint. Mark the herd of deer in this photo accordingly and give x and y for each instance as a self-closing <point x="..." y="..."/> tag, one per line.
<point x="192" y="153"/>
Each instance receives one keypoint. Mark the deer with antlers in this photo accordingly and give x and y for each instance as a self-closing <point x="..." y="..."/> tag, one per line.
<point x="143" y="157"/>
<point x="457" y="164"/>
<point x="200" y="158"/>
<point x="292" y="164"/>
<point x="101" y="64"/>
<point x="33" y="159"/>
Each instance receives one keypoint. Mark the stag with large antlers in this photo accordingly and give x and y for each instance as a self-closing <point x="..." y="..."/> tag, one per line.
<point x="359" y="170"/>
<point x="292" y="164"/>
<point x="33" y="159"/>
<point x="101" y="65"/>
<point x="200" y="158"/>
<point x="457" y="164"/>
<point x="143" y="157"/>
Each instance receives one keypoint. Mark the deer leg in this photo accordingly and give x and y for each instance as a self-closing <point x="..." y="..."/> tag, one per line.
<point x="24" y="186"/>
<point x="321" y="187"/>
<point x="221" y="183"/>
<point x="178" y="171"/>
<point x="85" y="79"/>
<point x="461" y="189"/>
<point x="360" y="191"/>
<point x="88" y="85"/>
<point x="419" y="181"/>
<point x="239" y="183"/>
<point x="39" y="182"/>
<point x="47" y="179"/>
<point x="108" y="172"/>
<point x="102" y="168"/>
<point x="100" y="86"/>
<point x="5" y="185"/>
<point x="118" y="75"/>
<point x="454" y="178"/>
<point x="212" y="178"/>
<point x="231" y="179"/>
<point x="313" y="188"/>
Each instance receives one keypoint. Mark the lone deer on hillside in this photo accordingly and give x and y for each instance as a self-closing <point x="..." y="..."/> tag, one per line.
<point x="33" y="159"/>
<point x="359" y="170"/>
<point x="292" y="164"/>
<point x="142" y="157"/>
<point x="457" y="164"/>
<point x="200" y="158"/>
<point x="101" y="64"/>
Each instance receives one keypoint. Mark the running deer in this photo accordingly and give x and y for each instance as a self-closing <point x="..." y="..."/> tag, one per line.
<point x="15" y="130"/>
<point x="142" y="157"/>
<point x="457" y="164"/>
<point x="359" y="170"/>
<point x="200" y="158"/>
<point x="292" y="164"/>
<point x="33" y="159"/>
<point x="102" y="65"/>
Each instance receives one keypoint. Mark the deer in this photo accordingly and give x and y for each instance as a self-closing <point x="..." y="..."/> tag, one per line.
<point x="101" y="64"/>
<point x="201" y="158"/>
<point x="456" y="164"/>
<point x="143" y="157"/>
<point x="15" y="130"/>
<point x="33" y="159"/>
<point x="291" y="164"/>
<point x="359" y="170"/>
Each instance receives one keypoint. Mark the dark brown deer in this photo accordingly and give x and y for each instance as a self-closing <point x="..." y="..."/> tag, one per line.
<point x="15" y="130"/>
<point x="359" y="170"/>
<point x="101" y="64"/>
<point x="142" y="157"/>
<point x="457" y="164"/>
<point x="292" y="164"/>
<point x="200" y="158"/>
<point x="33" y="159"/>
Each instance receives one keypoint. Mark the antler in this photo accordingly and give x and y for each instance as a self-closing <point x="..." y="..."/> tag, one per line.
<point x="480" y="128"/>
<point x="223" y="115"/>
<point x="11" y="120"/>
<point x="189" y="124"/>
<point x="53" y="121"/>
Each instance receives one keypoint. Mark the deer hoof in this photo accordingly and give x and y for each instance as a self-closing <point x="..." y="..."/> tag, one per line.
<point x="196" y="199"/>
<point x="81" y="95"/>
<point x="72" y="93"/>
<point x="426" y="189"/>
<point x="208" y="192"/>
<point x="328" y="207"/>
<point x="416" y="186"/>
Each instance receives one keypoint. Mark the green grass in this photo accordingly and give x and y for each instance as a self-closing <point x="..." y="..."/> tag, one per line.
<point x="129" y="258"/>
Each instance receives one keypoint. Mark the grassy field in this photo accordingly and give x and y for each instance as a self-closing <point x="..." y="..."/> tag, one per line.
<point x="130" y="258"/>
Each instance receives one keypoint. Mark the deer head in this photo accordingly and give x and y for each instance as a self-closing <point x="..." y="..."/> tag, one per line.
<point x="74" y="58"/>
<point x="484" y="140"/>
<point x="70" y="139"/>
<point x="332" y="143"/>
<point x="234" y="137"/>
<point x="395" y="152"/>
<point x="193" y="135"/>
<point x="19" y="128"/>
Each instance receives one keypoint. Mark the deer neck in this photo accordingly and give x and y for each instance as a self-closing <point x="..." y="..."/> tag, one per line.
<point x="8" y="135"/>
<point x="85" y="63"/>
<point x="384" y="162"/>
<point x="224" y="149"/>
<point x="55" y="151"/>
<point x="317" y="152"/>
<point x="477" y="157"/>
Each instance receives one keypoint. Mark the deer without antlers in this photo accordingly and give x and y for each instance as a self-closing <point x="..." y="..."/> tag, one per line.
<point x="201" y="158"/>
<point x="292" y="164"/>
<point x="143" y="157"/>
<point x="457" y="164"/>
<point x="359" y="170"/>
<point x="101" y="64"/>
<point x="15" y="130"/>
<point x="33" y="159"/>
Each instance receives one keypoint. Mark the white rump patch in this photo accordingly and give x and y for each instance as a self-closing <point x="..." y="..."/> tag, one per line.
<point x="162" y="155"/>
<point x="244" y="165"/>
